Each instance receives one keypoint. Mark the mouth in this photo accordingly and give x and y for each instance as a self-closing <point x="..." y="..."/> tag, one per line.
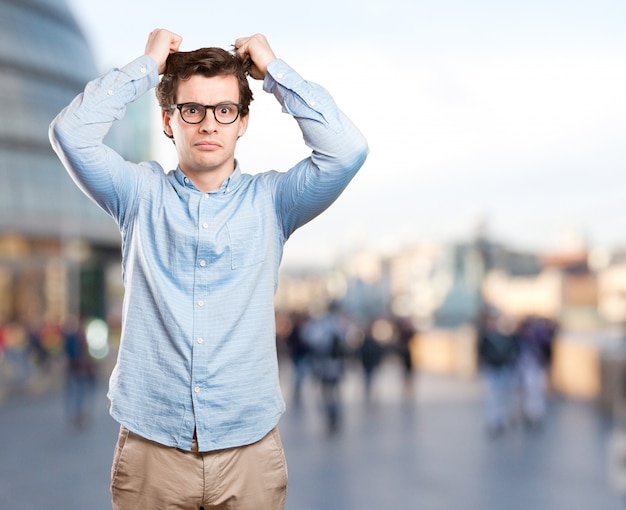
<point x="207" y="145"/>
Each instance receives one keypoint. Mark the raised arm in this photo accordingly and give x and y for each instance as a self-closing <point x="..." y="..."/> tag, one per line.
<point x="338" y="147"/>
<point x="77" y="133"/>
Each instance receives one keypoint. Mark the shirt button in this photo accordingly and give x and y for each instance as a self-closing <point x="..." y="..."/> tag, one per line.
<point x="143" y="70"/>
<point x="312" y="103"/>
<point x="200" y="340"/>
<point x="110" y="92"/>
<point x="280" y="75"/>
<point x="200" y="303"/>
<point x="205" y="225"/>
<point x="186" y="179"/>
<point x="197" y="389"/>
<point x="203" y="263"/>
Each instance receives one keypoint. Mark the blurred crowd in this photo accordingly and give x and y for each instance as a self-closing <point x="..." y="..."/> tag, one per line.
<point x="28" y="349"/>
<point x="39" y="356"/>
<point x="514" y="358"/>
<point x="323" y="346"/>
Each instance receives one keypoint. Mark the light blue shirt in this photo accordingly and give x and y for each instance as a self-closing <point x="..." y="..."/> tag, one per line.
<point x="198" y="344"/>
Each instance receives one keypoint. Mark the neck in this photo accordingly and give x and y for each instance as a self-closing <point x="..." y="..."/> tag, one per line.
<point x="208" y="181"/>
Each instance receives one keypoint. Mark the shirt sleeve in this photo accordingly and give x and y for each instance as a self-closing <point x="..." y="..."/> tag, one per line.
<point x="338" y="148"/>
<point x="77" y="134"/>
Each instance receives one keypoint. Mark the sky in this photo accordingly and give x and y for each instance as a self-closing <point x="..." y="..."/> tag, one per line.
<point x="510" y="115"/>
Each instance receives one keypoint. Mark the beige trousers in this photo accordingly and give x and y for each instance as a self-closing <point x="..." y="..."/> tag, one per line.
<point x="149" y="476"/>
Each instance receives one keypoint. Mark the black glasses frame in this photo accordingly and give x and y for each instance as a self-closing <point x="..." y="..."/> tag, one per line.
<point x="206" y="107"/>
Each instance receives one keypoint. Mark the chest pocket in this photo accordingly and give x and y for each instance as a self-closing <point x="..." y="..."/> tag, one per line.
<point x="246" y="242"/>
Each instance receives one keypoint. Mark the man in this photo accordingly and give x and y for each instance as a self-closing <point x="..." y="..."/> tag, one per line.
<point x="195" y="387"/>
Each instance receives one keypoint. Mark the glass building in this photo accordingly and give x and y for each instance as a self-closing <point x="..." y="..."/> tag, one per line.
<point x="57" y="248"/>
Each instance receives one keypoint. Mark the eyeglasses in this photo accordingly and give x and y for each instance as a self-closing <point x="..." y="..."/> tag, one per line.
<point x="194" y="113"/>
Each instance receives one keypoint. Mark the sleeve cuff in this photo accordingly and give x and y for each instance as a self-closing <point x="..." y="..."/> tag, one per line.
<point x="142" y="67"/>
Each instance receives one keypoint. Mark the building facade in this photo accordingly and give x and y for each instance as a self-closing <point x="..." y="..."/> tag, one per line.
<point x="56" y="247"/>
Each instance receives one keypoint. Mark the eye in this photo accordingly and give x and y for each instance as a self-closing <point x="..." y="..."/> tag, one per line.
<point x="192" y="109"/>
<point x="226" y="109"/>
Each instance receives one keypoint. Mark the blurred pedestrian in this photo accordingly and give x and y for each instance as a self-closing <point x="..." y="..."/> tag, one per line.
<point x="406" y="338"/>
<point x="371" y="354"/>
<point x="299" y="352"/>
<point x="4" y="340"/>
<point x="536" y="337"/>
<point x="327" y="338"/>
<point x="195" y="386"/>
<point x="80" y="373"/>
<point x="498" y="352"/>
<point x="17" y="356"/>
<point x="38" y="353"/>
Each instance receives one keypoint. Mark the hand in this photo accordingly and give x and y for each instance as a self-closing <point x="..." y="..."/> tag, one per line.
<point x="160" y="44"/>
<point x="259" y="51"/>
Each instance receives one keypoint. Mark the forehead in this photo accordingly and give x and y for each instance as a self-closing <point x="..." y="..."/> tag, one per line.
<point x="208" y="90"/>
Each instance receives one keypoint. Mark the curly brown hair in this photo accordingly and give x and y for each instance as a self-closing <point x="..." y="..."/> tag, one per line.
<point x="208" y="62"/>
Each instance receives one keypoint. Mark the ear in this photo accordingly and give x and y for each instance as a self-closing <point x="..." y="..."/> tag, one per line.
<point x="243" y="125"/>
<point x="167" y="127"/>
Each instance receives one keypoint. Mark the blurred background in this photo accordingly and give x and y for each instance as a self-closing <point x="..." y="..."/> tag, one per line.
<point x="495" y="182"/>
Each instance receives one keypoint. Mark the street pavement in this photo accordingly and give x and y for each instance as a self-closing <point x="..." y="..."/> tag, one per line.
<point x="425" y="451"/>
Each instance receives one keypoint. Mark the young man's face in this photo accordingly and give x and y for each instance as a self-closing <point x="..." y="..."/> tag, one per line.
<point x="206" y="151"/>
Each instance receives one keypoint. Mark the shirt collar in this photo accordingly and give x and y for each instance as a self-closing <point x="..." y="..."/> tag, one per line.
<point x="233" y="179"/>
<point x="229" y="183"/>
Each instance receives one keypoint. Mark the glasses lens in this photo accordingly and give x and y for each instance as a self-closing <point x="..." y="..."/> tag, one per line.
<point x="226" y="113"/>
<point x="193" y="112"/>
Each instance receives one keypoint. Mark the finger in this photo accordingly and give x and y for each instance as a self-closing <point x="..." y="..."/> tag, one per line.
<point x="175" y="42"/>
<point x="241" y="45"/>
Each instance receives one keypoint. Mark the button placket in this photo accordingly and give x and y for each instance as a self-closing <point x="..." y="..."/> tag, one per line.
<point x="201" y="304"/>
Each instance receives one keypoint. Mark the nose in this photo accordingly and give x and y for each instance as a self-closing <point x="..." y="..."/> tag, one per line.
<point x="209" y="124"/>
